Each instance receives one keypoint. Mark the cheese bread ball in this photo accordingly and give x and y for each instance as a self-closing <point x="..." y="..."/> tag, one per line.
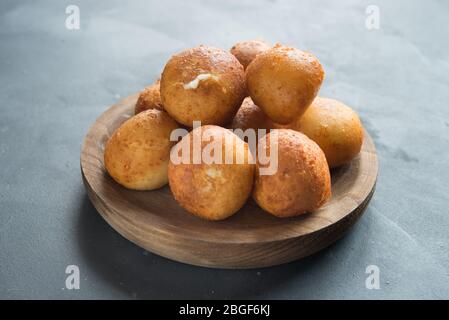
<point x="246" y="51"/>
<point x="302" y="181"/>
<point x="283" y="81"/>
<point x="149" y="98"/>
<point x="137" y="154"/>
<point x="203" y="84"/>
<point x="209" y="189"/>
<point x="335" y="127"/>
<point x="251" y="116"/>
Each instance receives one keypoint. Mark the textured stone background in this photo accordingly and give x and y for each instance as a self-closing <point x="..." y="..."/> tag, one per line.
<point x="54" y="83"/>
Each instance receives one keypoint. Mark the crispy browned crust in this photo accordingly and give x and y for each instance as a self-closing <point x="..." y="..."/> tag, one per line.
<point x="214" y="101"/>
<point x="212" y="191"/>
<point x="246" y="51"/>
<point x="149" y="98"/>
<point x="250" y="116"/>
<point x="302" y="182"/>
<point x="137" y="154"/>
<point x="335" y="127"/>
<point x="283" y="81"/>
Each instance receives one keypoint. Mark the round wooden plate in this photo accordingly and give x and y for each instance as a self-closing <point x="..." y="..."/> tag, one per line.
<point x="250" y="238"/>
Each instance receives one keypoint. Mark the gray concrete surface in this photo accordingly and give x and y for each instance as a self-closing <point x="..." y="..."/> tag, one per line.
<point x="54" y="82"/>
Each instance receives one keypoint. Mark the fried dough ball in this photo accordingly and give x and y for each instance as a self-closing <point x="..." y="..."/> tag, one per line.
<point x="149" y="98"/>
<point x="251" y="116"/>
<point x="137" y="154"/>
<point x="246" y="51"/>
<point x="335" y="127"/>
<point x="209" y="189"/>
<point x="302" y="180"/>
<point x="283" y="81"/>
<point x="203" y="84"/>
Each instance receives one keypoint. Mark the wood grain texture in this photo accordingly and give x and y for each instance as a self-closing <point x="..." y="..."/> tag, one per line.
<point x="250" y="238"/>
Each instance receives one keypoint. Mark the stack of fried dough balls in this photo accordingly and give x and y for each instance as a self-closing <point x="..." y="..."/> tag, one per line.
<point x="211" y="171"/>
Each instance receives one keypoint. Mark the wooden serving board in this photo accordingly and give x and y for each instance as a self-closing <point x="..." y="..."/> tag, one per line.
<point x="250" y="238"/>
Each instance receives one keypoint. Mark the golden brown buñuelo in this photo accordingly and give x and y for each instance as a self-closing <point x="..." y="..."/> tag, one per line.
<point x="204" y="84"/>
<point x="335" y="127"/>
<point x="137" y="154"/>
<point x="246" y="51"/>
<point x="283" y="82"/>
<point x="302" y="181"/>
<point x="149" y="98"/>
<point x="250" y="116"/>
<point x="208" y="189"/>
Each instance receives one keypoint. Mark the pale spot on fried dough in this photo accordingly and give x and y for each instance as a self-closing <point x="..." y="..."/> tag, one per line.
<point x="214" y="173"/>
<point x="201" y="77"/>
